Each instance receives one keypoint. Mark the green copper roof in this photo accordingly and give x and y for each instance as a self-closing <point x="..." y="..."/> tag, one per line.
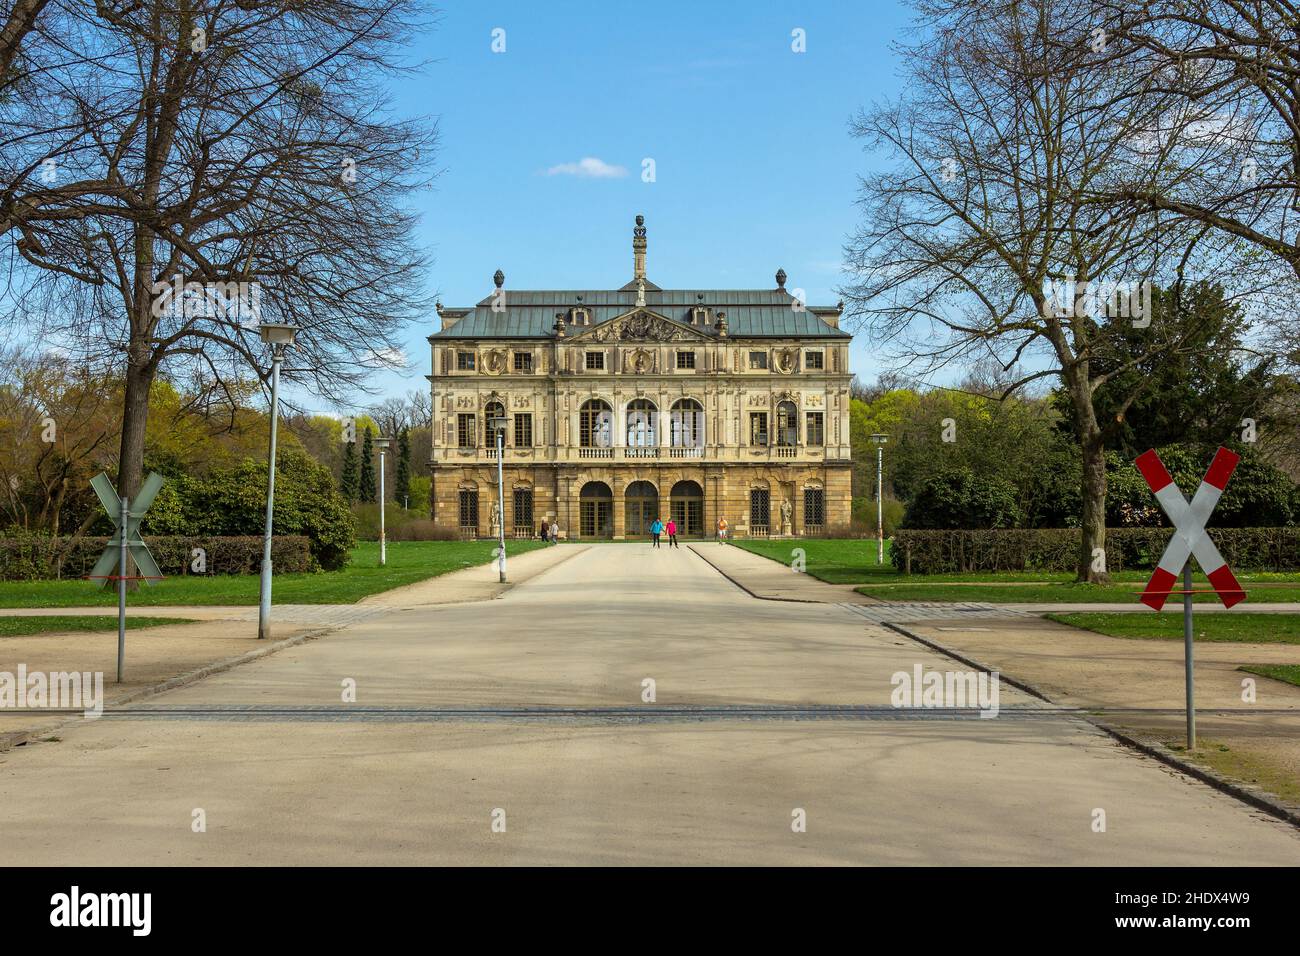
<point x="751" y="313"/>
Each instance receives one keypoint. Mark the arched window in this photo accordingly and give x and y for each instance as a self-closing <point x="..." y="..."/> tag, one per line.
<point x="686" y="424"/>
<point x="787" y="424"/>
<point x="642" y="423"/>
<point x="595" y="424"/>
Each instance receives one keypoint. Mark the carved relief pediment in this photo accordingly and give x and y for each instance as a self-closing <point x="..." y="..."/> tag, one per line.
<point x="642" y="325"/>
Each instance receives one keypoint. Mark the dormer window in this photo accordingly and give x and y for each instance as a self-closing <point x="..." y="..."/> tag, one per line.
<point x="699" y="315"/>
<point x="579" y="316"/>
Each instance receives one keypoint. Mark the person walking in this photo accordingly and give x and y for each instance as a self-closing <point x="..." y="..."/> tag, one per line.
<point x="555" y="532"/>
<point x="656" y="529"/>
<point x="671" y="529"/>
<point x="722" y="531"/>
<point x="546" y="531"/>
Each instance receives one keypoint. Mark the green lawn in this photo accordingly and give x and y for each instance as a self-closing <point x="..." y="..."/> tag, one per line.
<point x="1231" y="627"/>
<point x="834" y="560"/>
<point x="1283" y="672"/>
<point x="58" y="623"/>
<point x="1004" y="590"/>
<point x="408" y="562"/>
<point x="853" y="561"/>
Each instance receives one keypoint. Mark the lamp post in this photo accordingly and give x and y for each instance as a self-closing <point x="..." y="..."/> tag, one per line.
<point x="382" y="445"/>
<point x="879" y="441"/>
<point x="498" y="424"/>
<point x="279" y="336"/>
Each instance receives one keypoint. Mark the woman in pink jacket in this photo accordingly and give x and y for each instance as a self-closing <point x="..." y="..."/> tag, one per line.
<point x="671" y="528"/>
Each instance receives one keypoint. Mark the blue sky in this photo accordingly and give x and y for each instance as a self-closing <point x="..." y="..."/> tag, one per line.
<point x="754" y="166"/>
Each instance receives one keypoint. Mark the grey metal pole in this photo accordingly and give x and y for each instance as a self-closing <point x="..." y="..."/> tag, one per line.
<point x="880" y="504"/>
<point x="121" y="586"/>
<point x="501" y="505"/>
<point x="1187" y="654"/>
<point x="383" y="541"/>
<point x="264" y="605"/>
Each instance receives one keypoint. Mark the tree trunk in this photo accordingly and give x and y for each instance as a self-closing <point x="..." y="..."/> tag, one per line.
<point x="1093" y="567"/>
<point x="135" y="416"/>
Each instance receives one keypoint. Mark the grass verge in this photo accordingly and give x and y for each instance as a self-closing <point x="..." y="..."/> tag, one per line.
<point x="1243" y="766"/>
<point x="1232" y="627"/>
<point x="1289" y="673"/>
<point x="408" y="562"/>
<point x="853" y="561"/>
<point x="64" y="623"/>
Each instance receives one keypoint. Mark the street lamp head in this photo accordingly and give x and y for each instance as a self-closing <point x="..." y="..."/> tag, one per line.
<point x="497" y="423"/>
<point x="278" y="334"/>
<point x="382" y="443"/>
<point x="879" y="439"/>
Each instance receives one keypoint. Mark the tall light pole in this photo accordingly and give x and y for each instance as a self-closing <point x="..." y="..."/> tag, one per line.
<point x="498" y="424"/>
<point x="382" y="445"/>
<point x="879" y="441"/>
<point x="279" y="336"/>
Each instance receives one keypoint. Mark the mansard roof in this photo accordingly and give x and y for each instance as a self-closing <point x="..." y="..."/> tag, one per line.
<point x="750" y="313"/>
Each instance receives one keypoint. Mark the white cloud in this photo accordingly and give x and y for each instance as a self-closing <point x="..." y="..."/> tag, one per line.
<point x="589" y="167"/>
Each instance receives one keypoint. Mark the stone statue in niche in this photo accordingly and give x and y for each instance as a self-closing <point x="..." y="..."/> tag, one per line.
<point x="787" y="514"/>
<point x="495" y="520"/>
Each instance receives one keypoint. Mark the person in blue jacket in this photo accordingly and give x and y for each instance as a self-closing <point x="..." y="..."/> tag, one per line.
<point x="656" y="530"/>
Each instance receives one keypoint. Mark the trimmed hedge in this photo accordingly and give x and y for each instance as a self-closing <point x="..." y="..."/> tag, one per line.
<point x="1057" y="549"/>
<point x="29" y="557"/>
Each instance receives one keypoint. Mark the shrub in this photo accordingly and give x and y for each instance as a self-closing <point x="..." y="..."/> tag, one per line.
<point x="1057" y="549"/>
<point x="232" y="502"/>
<point x="959" y="498"/>
<point x="27" y="557"/>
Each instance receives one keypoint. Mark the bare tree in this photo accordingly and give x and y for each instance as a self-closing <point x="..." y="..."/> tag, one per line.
<point x="1238" y="62"/>
<point x="985" y="238"/>
<point x="250" y="162"/>
<point x="20" y="18"/>
<point x="57" y="428"/>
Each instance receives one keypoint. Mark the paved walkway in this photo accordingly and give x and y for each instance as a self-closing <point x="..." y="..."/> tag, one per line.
<point x="764" y="578"/>
<point x="711" y="773"/>
<point x="903" y="613"/>
<point x="225" y="634"/>
<point x="1137" y="686"/>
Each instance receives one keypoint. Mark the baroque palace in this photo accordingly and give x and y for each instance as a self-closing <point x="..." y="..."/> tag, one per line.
<point x="625" y="405"/>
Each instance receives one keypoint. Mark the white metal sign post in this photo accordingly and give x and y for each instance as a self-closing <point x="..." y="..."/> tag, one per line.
<point x="126" y="542"/>
<point x="1189" y="540"/>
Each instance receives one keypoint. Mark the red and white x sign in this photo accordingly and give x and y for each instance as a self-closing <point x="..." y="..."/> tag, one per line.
<point x="1189" y="521"/>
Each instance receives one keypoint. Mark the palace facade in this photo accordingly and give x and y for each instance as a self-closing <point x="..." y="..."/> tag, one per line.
<point x="623" y="405"/>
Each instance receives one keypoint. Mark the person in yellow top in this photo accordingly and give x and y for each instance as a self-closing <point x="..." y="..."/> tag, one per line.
<point x="722" y="531"/>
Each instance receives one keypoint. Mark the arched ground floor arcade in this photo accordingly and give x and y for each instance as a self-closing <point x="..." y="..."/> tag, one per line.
<point x="620" y="502"/>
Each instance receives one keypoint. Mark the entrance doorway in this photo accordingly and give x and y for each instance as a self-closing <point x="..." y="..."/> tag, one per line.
<point x="642" y="501"/>
<point x="688" y="508"/>
<point x="595" y="511"/>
